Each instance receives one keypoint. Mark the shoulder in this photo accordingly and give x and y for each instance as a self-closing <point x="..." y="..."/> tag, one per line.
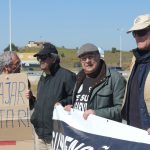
<point x="116" y="76"/>
<point x="66" y="73"/>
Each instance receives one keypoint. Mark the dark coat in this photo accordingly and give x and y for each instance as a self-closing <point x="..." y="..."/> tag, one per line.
<point x="141" y="101"/>
<point x="57" y="87"/>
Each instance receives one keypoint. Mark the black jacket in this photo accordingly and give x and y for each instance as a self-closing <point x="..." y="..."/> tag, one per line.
<point x="57" y="87"/>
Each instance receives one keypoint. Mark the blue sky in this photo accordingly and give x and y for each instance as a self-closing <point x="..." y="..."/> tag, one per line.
<point x="71" y="23"/>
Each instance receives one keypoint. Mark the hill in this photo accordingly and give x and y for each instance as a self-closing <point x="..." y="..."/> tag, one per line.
<point x="69" y="59"/>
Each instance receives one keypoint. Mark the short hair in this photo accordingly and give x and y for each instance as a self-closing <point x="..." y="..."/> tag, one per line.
<point x="6" y="59"/>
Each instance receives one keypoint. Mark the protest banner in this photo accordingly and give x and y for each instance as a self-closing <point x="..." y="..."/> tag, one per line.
<point x="14" y="108"/>
<point x="72" y="132"/>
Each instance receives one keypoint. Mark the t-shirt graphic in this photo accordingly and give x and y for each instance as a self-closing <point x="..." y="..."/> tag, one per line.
<point x="82" y="95"/>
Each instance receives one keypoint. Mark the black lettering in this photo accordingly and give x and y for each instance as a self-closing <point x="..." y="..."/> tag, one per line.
<point x="2" y="92"/>
<point x="21" y="88"/>
<point x="8" y="90"/>
<point x="10" y="118"/>
<point x="28" y="117"/>
<point x="13" y="92"/>
<point x="1" y="118"/>
<point x="21" y="117"/>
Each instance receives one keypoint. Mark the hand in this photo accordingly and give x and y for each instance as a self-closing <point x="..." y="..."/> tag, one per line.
<point x="68" y="107"/>
<point x="56" y="104"/>
<point x="148" y="130"/>
<point x="87" y="113"/>
<point x="28" y="94"/>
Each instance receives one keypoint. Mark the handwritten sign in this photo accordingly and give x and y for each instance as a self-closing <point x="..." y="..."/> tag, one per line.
<point x="14" y="108"/>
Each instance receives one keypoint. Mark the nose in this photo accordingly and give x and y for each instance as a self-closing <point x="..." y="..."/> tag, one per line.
<point x="87" y="59"/>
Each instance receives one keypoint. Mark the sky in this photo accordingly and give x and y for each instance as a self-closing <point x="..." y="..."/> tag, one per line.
<point x="71" y="23"/>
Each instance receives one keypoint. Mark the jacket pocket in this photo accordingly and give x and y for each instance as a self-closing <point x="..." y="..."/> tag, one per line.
<point x="34" y="116"/>
<point x="104" y="98"/>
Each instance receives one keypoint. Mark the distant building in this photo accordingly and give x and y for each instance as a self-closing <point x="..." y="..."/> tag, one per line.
<point x="35" y="44"/>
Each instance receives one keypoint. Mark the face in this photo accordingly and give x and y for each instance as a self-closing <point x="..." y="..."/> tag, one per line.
<point x="142" y="38"/>
<point x="14" y="66"/>
<point x="90" y="62"/>
<point x="45" y="62"/>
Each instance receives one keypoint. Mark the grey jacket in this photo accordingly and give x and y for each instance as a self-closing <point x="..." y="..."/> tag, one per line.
<point x="107" y="94"/>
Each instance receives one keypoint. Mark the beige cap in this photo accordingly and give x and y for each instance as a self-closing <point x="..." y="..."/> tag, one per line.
<point x="141" y="22"/>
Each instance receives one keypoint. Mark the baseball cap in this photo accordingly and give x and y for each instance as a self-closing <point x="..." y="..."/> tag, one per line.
<point x="48" y="48"/>
<point x="87" y="48"/>
<point x="140" y="23"/>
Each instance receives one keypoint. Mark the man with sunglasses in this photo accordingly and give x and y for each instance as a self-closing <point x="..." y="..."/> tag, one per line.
<point x="98" y="90"/>
<point x="136" y="107"/>
<point x="55" y="86"/>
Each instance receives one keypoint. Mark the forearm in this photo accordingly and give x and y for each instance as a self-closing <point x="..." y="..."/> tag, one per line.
<point x="113" y="113"/>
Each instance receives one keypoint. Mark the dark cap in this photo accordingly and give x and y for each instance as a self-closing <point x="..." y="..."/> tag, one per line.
<point x="48" y="48"/>
<point x="87" y="48"/>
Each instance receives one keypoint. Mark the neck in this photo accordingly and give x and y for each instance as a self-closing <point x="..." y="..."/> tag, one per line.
<point x="95" y="73"/>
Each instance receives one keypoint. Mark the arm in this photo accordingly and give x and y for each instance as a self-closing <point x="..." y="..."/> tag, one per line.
<point x="30" y="97"/>
<point x="69" y="83"/>
<point x="118" y="89"/>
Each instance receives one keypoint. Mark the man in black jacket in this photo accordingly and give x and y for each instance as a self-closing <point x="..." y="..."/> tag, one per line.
<point x="55" y="85"/>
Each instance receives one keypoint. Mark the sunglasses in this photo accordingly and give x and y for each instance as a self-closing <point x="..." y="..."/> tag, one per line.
<point x="42" y="58"/>
<point x="140" y="33"/>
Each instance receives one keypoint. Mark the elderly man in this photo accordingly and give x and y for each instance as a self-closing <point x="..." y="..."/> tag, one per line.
<point x="136" y="109"/>
<point x="98" y="90"/>
<point x="55" y="85"/>
<point x="10" y="62"/>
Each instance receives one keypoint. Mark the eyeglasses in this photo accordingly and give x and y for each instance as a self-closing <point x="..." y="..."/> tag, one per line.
<point x="140" y="33"/>
<point x="14" y="67"/>
<point x="42" y="58"/>
<point x="90" y="57"/>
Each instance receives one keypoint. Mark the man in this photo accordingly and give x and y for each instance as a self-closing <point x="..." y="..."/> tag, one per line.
<point x="137" y="102"/>
<point x="55" y="85"/>
<point x="98" y="90"/>
<point x="10" y="62"/>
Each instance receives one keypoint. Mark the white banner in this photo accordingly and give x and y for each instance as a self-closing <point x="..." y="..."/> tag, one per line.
<point x="72" y="132"/>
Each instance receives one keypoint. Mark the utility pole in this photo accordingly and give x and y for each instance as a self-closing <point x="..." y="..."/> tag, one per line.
<point x="10" y="48"/>
<point x="120" y="48"/>
<point x="120" y="44"/>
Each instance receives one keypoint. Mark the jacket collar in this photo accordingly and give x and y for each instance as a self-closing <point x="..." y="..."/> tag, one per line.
<point x="101" y="73"/>
<point x="141" y="56"/>
<point x="54" y="68"/>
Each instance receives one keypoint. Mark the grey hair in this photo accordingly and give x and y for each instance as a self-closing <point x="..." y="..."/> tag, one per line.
<point x="56" y="57"/>
<point x="6" y="59"/>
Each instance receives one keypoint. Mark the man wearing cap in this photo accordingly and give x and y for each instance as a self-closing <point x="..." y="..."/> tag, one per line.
<point x="136" y="108"/>
<point x="98" y="90"/>
<point x="55" y="85"/>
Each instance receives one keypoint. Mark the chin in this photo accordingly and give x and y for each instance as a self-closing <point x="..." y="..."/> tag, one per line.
<point x="88" y="72"/>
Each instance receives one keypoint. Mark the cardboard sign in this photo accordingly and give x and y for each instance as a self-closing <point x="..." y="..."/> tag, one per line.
<point x="14" y="108"/>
